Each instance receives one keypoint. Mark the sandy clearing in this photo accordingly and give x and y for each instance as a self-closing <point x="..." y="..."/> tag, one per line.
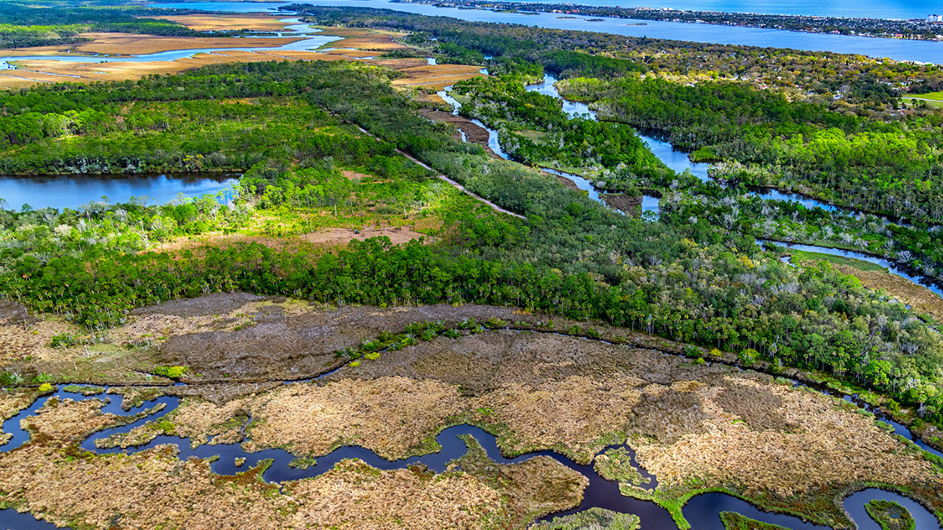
<point x="336" y="236"/>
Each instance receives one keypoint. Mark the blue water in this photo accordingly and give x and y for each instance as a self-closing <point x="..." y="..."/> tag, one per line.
<point x="903" y="50"/>
<point x="702" y="510"/>
<point x="891" y="266"/>
<point x="69" y="191"/>
<point x="841" y="8"/>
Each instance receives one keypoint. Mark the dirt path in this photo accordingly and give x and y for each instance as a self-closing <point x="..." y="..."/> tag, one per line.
<point x="453" y="183"/>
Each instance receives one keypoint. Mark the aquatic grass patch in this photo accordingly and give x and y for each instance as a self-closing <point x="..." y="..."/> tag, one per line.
<point x="801" y="255"/>
<point x="591" y="519"/>
<point x="735" y="521"/>
<point x="616" y="465"/>
<point x="890" y="515"/>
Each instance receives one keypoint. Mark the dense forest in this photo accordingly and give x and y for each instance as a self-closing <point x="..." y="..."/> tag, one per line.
<point x="570" y="256"/>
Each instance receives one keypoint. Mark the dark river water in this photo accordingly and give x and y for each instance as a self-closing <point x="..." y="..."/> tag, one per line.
<point x="702" y="511"/>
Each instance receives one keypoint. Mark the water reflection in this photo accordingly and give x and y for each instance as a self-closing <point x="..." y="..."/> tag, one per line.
<point x="64" y="191"/>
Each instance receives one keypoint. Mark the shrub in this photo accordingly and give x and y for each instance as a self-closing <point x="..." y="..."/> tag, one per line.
<point x="10" y="378"/>
<point x="748" y="356"/>
<point x="173" y="372"/>
<point x="495" y="322"/>
<point x="63" y="340"/>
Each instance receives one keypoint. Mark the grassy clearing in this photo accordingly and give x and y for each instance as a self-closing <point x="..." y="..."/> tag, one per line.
<point x="801" y="255"/>
<point x="936" y="96"/>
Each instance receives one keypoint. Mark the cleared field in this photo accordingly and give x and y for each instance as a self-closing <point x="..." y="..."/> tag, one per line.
<point x="935" y="96"/>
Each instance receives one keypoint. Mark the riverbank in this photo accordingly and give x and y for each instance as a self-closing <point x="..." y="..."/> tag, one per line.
<point x="508" y="382"/>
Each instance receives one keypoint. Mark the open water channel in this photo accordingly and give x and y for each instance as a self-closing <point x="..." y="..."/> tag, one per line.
<point x="679" y="161"/>
<point x="702" y="511"/>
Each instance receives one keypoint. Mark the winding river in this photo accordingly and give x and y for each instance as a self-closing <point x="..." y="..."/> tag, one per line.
<point x="679" y="161"/>
<point x="702" y="510"/>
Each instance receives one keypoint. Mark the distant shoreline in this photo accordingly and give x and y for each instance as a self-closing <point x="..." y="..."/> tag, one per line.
<point x="914" y="29"/>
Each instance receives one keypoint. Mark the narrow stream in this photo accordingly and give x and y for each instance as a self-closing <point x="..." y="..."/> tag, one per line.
<point x="892" y="267"/>
<point x="679" y="161"/>
<point x="675" y="159"/>
<point x="649" y="203"/>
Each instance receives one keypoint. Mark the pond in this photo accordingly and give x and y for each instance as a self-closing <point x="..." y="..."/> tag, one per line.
<point x="72" y="191"/>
